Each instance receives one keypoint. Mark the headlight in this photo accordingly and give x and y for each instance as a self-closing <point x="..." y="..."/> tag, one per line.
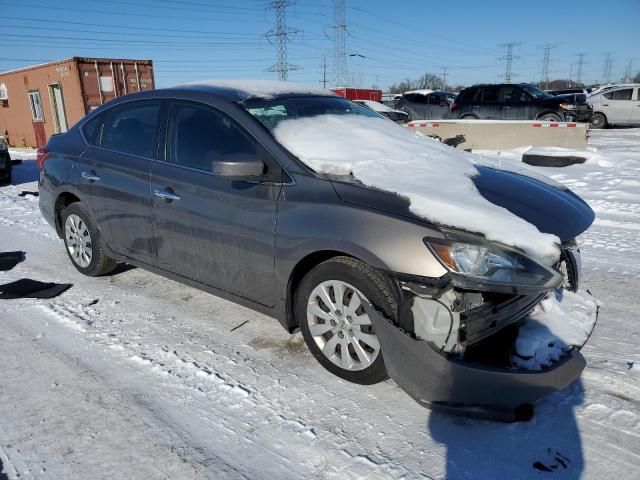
<point x="493" y="267"/>
<point x="568" y="106"/>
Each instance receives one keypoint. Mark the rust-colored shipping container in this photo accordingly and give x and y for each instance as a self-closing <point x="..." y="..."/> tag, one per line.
<point x="38" y="101"/>
<point x="359" y="93"/>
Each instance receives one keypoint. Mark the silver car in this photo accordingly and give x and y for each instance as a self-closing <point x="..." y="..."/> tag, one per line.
<point x="616" y="106"/>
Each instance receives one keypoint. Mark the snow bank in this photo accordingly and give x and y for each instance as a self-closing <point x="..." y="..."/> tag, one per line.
<point x="263" y="88"/>
<point x="558" y="323"/>
<point x="434" y="177"/>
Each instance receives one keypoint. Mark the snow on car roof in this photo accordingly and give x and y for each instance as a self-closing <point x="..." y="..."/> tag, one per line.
<point x="377" y="106"/>
<point x="421" y="91"/>
<point x="435" y="178"/>
<point x="261" y="88"/>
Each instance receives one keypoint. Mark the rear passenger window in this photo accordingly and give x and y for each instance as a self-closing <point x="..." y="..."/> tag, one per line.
<point x="490" y="94"/>
<point x="467" y="95"/>
<point x="92" y="129"/>
<point x="132" y="129"/>
<point x="200" y="136"/>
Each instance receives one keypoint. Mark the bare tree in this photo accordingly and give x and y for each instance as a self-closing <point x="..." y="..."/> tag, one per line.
<point x="426" y="81"/>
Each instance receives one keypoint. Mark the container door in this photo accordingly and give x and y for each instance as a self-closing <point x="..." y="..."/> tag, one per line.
<point x="57" y="105"/>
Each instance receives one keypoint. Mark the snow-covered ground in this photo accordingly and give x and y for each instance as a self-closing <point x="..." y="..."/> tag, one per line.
<point x="135" y="376"/>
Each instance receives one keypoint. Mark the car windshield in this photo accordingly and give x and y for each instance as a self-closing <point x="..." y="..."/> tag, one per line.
<point x="535" y="92"/>
<point x="270" y="112"/>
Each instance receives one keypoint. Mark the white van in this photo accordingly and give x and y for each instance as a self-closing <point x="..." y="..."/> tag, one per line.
<point x="616" y="106"/>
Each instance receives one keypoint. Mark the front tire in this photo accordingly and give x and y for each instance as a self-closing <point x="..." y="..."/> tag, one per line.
<point x="550" y="117"/>
<point x="84" y="243"/>
<point x="334" y="324"/>
<point x="598" y="120"/>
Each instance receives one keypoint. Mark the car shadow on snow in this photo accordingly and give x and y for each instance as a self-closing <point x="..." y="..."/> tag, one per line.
<point x="548" y="446"/>
<point x="26" y="172"/>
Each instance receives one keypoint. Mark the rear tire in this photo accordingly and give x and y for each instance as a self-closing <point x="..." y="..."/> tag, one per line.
<point x="468" y="117"/>
<point x="550" y="117"/>
<point x="84" y="243"/>
<point x="329" y="331"/>
<point x="598" y="120"/>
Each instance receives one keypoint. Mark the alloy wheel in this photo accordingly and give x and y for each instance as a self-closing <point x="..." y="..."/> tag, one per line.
<point x="340" y="326"/>
<point x="78" y="240"/>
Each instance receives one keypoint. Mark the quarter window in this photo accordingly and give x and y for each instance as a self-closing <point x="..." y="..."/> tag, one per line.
<point x="200" y="136"/>
<point x="36" y="106"/>
<point x="132" y="129"/>
<point x="92" y="130"/>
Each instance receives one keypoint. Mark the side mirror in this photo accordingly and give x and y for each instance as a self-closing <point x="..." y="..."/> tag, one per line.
<point x="238" y="167"/>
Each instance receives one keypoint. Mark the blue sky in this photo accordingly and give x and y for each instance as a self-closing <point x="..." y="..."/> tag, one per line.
<point x="196" y="39"/>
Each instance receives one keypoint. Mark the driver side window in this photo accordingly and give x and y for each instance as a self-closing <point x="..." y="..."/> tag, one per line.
<point x="200" y="136"/>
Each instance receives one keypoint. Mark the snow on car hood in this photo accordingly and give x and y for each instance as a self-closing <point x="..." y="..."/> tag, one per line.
<point x="435" y="178"/>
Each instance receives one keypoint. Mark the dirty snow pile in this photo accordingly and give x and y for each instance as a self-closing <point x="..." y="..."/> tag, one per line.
<point x="435" y="178"/>
<point x="561" y="321"/>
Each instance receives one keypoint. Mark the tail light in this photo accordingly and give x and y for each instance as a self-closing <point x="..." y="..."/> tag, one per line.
<point x="41" y="157"/>
<point x="454" y="105"/>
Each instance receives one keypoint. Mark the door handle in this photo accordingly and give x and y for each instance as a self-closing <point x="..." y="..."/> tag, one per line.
<point x="605" y="104"/>
<point x="168" y="196"/>
<point x="90" y="177"/>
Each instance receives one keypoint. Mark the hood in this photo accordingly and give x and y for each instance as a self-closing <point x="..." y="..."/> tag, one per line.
<point x="552" y="209"/>
<point x="575" y="98"/>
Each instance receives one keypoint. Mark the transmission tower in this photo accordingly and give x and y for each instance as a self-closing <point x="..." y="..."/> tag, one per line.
<point x="606" y="69"/>
<point x="340" y="72"/>
<point x="545" y="64"/>
<point x="280" y="36"/>
<point x="509" y="58"/>
<point x="444" y="77"/>
<point x="627" y="72"/>
<point x="580" y="64"/>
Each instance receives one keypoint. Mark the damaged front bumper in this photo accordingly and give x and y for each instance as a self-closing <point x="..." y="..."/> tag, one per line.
<point x="440" y="382"/>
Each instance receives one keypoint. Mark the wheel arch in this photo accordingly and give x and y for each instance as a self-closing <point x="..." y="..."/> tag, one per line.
<point x="304" y="266"/>
<point x="63" y="200"/>
<point x="547" y="112"/>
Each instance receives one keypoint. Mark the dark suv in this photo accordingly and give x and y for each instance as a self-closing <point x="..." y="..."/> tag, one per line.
<point x="425" y="104"/>
<point x="198" y="184"/>
<point x="522" y="101"/>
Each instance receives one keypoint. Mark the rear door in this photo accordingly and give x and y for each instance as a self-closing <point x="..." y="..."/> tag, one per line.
<point x="113" y="175"/>
<point x="217" y="231"/>
<point x="417" y="106"/>
<point x="618" y="105"/>
<point x="489" y="106"/>
<point x="635" y="109"/>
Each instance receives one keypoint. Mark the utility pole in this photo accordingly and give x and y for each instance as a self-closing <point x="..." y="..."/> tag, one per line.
<point x="606" y="69"/>
<point x="444" y="77"/>
<point x="579" y="73"/>
<point x="340" y="73"/>
<point x="324" y="72"/>
<point x="280" y="36"/>
<point x="627" y="71"/>
<point x="545" y="64"/>
<point x="509" y="58"/>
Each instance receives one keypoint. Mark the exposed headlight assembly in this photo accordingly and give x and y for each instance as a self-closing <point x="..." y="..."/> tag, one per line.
<point x="487" y="266"/>
<point x="567" y="106"/>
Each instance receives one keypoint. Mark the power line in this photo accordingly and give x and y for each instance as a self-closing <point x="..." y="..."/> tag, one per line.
<point x="340" y="72"/>
<point x="280" y="35"/>
<point x="509" y="58"/>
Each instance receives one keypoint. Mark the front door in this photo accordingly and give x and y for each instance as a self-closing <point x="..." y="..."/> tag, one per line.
<point x="618" y="105"/>
<point x="438" y="107"/>
<point x="57" y="105"/>
<point x="217" y="231"/>
<point x="514" y="103"/>
<point x="114" y="175"/>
